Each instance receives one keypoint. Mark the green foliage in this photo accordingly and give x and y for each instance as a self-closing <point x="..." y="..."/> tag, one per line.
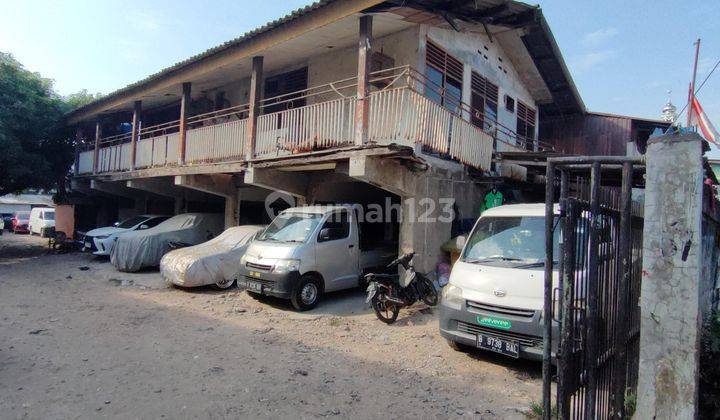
<point x="710" y="369"/>
<point x="36" y="147"/>
<point x="630" y="403"/>
<point x="536" y="411"/>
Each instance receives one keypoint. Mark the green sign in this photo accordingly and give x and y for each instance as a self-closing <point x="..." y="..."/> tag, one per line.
<point x="494" y="322"/>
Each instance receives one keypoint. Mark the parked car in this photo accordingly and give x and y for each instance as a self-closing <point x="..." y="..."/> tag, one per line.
<point x="137" y="249"/>
<point x="7" y="221"/>
<point x="213" y="262"/>
<point x="101" y="240"/>
<point x="20" y="222"/>
<point x="42" y="221"/>
<point x="307" y="251"/>
<point x="494" y="299"/>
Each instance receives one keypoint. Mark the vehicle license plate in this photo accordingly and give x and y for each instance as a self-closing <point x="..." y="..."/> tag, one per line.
<point x="253" y="285"/>
<point x="88" y="245"/>
<point x="506" y="347"/>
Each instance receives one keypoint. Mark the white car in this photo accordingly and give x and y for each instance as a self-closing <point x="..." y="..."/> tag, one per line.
<point x="213" y="262"/>
<point x="144" y="248"/>
<point x="102" y="240"/>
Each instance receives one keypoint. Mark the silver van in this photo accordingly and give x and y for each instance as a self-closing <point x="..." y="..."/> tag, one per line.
<point x="307" y="251"/>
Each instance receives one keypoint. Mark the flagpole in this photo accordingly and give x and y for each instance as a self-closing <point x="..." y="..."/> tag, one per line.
<point x="691" y="91"/>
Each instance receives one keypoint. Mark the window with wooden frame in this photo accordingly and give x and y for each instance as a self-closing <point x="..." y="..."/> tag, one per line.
<point x="525" y="125"/>
<point x="484" y="102"/>
<point x="445" y="77"/>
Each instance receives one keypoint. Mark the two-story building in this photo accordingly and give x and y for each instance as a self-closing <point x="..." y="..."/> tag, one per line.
<point x="362" y="101"/>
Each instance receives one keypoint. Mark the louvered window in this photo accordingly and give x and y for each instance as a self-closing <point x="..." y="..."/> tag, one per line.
<point x="484" y="102"/>
<point x="525" y="126"/>
<point x="445" y="75"/>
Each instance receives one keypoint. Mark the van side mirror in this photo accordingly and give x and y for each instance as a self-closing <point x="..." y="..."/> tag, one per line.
<point x="143" y="227"/>
<point x="324" y="235"/>
<point x="460" y="241"/>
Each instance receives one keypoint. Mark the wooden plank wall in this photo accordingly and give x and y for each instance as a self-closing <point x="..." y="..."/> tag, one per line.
<point x="588" y="134"/>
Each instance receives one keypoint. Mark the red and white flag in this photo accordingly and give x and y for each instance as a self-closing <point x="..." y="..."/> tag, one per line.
<point x="701" y="120"/>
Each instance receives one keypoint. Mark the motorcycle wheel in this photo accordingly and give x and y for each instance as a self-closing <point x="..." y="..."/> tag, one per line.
<point x="385" y="311"/>
<point x="428" y="292"/>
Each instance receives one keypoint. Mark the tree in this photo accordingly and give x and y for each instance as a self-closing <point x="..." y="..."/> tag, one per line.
<point x="36" y="147"/>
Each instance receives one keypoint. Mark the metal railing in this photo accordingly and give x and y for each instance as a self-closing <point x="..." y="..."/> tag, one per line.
<point x="401" y="110"/>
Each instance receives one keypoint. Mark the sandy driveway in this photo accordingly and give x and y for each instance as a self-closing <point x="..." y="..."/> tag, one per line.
<point x="99" y="343"/>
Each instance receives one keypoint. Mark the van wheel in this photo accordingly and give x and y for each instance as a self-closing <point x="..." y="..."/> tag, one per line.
<point x="42" y="232"/>
<point x="306" y="294"/>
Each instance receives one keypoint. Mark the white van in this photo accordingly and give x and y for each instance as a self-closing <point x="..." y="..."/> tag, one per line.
<point x="42" y="221"/>
<point x="495" y="297"/>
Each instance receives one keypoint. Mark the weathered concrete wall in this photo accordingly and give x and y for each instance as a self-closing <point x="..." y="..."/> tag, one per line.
<point x="342" y="63"/>
<point x="671" y="283"/>
<point x="331" y="65"/>
<point x="430" y="201"/>
<point x="488" y="59"/>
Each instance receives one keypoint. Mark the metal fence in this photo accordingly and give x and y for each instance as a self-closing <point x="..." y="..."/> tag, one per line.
<point x="596" y="301"/>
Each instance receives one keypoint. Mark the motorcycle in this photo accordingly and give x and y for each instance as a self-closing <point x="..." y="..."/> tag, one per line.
<point x="387" y="293"/>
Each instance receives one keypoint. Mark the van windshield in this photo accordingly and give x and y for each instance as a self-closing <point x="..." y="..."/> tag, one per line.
<point x="49" y="215"/>
<point x="519" y="239"/>
<point x="291" y="227"/>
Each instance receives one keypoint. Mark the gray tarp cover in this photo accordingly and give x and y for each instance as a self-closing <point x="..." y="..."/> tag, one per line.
<point x="209" y="262"/>
<point x="144" y="248"/>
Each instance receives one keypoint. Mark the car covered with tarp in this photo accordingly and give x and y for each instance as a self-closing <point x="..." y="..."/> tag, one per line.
<point x="144" y="248"/>
<point x="213" y="262"/>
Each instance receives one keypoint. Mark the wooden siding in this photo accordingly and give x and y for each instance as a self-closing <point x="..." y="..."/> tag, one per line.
<point x="594" y="134"/>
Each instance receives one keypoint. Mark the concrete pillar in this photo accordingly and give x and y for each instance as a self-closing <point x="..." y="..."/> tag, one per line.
<point x="179" y="205"/>
<point x="232" y="207"/>
<point x="254" y="110"/>
<point x="362" y="108"/>
<point x="137" y="108"/>
<point x="427" y="203"/>
<point x="96" y="151"/>
<point x="671" y="282"/>
<point x="184" y="104"/>
<point x="222" y="185"/>
<point x="78" y="142"/>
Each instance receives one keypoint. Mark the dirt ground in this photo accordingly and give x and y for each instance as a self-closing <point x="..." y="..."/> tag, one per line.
<point x="81" y="340"/>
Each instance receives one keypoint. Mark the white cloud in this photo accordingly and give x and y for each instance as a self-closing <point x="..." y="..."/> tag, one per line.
<point x="599" y="37"/>
<point x="591" y="59"/>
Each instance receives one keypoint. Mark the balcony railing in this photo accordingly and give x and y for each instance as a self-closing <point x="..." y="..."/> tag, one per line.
<point x="318" y="118"/>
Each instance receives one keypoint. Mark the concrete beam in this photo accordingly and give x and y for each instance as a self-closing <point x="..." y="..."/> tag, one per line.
<point x="81" y="185"/>
<point x="293" y="183"/>
<point x="222" y="185"/>
<point x="387" y="174"/>
<point x="171" y="171"/>
<point x="217" y="184"/>
<point x="114" y="188"/>
<point x="159" y="186"/>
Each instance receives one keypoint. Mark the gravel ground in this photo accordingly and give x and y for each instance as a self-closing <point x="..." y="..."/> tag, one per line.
<point x="81" y="340"/>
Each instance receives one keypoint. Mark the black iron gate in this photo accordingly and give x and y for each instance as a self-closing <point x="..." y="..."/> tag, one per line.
<point x="595" y="297"/>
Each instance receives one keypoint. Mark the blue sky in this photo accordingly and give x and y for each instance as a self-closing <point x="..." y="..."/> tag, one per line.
<point x="623" y="55"/>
